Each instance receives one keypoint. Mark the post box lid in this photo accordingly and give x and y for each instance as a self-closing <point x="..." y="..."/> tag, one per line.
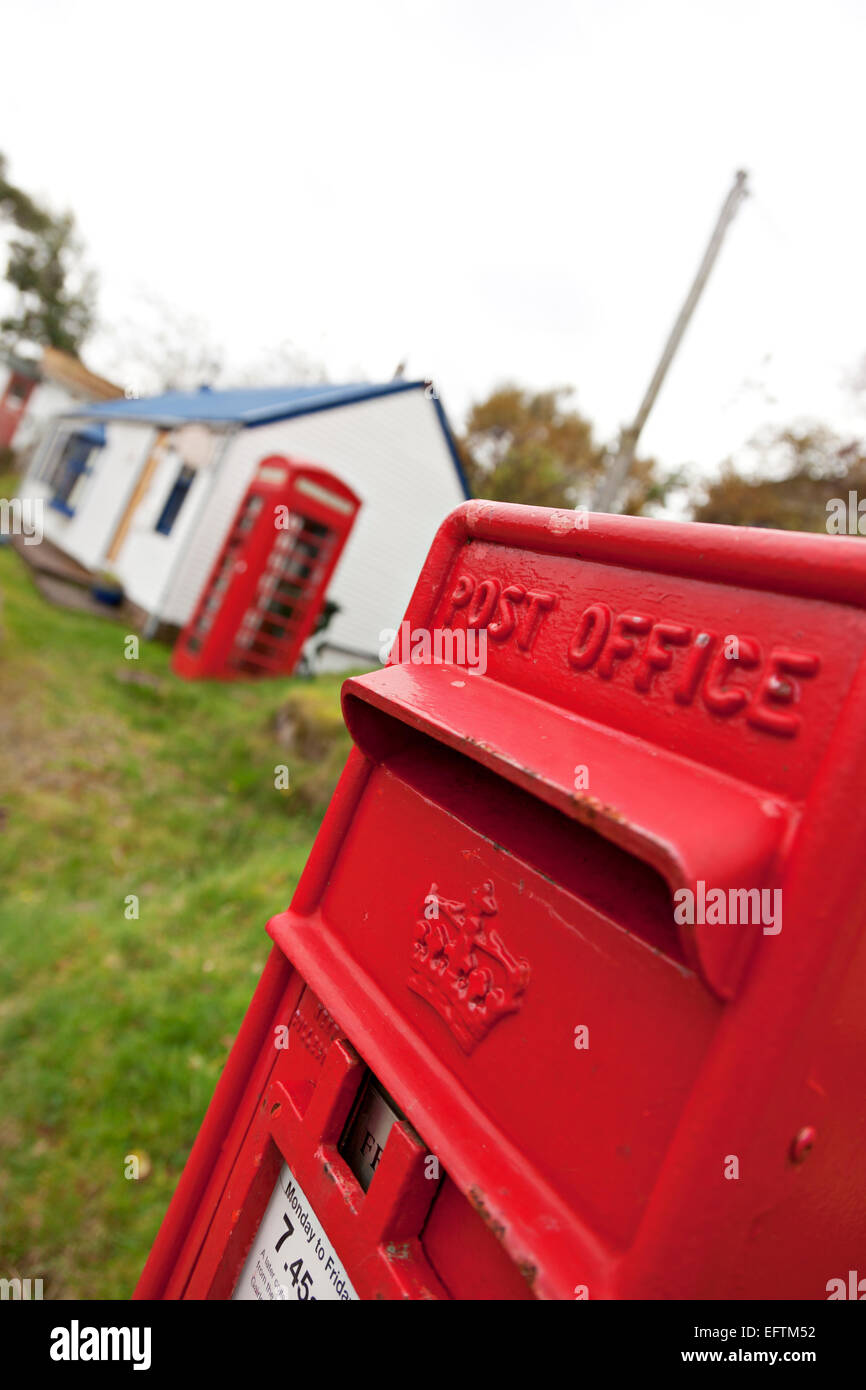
<point x="643" y="798"/>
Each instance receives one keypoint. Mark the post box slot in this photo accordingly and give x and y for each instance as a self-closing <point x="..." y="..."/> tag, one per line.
<point x="689" y="823"/>
<point x="466" y="1252"/>
<point x="622" y="887"/>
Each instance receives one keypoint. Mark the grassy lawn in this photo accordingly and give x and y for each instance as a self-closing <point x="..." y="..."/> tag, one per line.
<point x="117" y="778"/>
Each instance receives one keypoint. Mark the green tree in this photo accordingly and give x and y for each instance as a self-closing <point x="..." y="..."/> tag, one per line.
<point x="56" y="296"/>
<point x="796" y="473"/>
<point x="524" y="446"/>
<point x="18" y="206"/>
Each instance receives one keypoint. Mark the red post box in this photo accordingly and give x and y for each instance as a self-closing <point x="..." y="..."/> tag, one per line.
<point x="569" y="1001"/>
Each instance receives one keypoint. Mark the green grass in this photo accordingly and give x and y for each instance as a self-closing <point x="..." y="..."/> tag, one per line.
<point x="117" y="778"/>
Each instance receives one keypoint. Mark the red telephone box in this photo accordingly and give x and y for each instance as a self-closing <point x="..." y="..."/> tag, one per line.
<point x="570" y="999"/>
<point x="270" y="579"/>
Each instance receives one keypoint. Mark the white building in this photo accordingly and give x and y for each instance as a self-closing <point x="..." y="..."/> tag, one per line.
<point x="150" y="490"/>
<point x="33" y="390"/>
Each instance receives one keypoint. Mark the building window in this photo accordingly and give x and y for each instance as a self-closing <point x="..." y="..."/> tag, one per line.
<point x="66" y="476"/>
<point x="175" y="500"/>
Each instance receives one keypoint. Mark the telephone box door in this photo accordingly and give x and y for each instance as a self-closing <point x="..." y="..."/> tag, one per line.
<point x="270" y="579"/>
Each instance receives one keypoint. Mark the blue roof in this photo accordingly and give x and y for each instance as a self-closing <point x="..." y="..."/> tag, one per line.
<point x="261" y="405"/>
<point x="244" y="406"/>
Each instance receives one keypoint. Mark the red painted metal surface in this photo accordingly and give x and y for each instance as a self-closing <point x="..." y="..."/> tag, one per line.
<point x="270" y="579"/>
<point x="599" y="1097"/>
<point x="13" y="405"/>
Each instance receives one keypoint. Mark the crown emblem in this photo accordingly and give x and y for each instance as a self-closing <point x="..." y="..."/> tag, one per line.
<point x="461" y="966"/>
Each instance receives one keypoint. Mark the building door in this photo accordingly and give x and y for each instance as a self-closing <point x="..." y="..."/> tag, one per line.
<point x="265" y="591"/>
<point x="142" y="483"/>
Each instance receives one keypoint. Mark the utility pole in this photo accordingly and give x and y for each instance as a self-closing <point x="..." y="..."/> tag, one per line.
<point x="612" y="483"/>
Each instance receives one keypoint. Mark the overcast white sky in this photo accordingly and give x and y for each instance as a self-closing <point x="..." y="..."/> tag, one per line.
<point x="491" y="190"/>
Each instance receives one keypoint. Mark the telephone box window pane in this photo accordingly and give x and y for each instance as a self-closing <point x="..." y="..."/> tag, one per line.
<point x="251" y="511"/>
